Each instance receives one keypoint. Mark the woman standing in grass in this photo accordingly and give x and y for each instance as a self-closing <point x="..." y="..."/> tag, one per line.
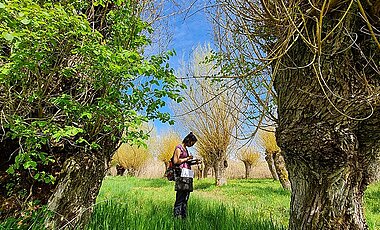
<point x="183" y="176"/>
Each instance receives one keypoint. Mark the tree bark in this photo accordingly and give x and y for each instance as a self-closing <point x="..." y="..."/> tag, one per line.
<point x="220" y="173"/>
<point x="120" y="170"/>
<point x="206" y="170"/>
<point x="281" y="171"/>
<point x="74" y="197"/>
<point x="332" y="201"/>
<point x="270" y="162"/>
<point x="329" y="142"/>
<point x="200" y="169"/>
<point x="248" y="169"/>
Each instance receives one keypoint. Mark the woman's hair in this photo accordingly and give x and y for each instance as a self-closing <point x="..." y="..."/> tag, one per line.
<point x="189" y="138"/>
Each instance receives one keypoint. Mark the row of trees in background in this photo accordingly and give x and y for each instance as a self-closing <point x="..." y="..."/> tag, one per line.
<point x="166" y="147"/>
<point x="216" y="109"/>
<point x="250" y="157"/>
<point x="131" y="159"/>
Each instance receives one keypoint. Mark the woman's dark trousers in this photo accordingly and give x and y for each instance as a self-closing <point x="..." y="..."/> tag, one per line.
<point x="180" y="205"/>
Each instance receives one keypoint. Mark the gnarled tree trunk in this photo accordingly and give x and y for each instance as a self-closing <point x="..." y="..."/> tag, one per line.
<point x="206" y="170"/>
<point x="73" y="199"/>
<point x="281" y="171"/>
<point x="328" y="179"/>
<point x="248" y="169"/>
<point x="329" y="139"/>
<point x="329" y="152"/>
<point x="220" y="172"/>
<point x="270" y="162"/>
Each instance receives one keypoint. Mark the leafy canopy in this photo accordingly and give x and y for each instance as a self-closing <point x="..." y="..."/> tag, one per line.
<point x="71" y="83"/>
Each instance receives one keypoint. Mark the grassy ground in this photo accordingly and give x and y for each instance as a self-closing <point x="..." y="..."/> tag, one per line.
<point x="131" y="203"/>
<point x="146" y="204"/>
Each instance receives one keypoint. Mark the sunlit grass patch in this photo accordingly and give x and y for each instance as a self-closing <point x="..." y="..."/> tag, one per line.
<point x="372" y="206"/>
<point x="148" y="203"/>
<point x="132" y="203"/>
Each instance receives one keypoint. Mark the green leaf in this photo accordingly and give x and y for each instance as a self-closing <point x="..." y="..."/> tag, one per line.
<point x="10" y="170"/>
<point x="47" y="179"/>
<point x="30" y="164"/>
<point x="95" y="145"/>
<point x="82" y="140"/>
<point x="86" y="114"/>
<point x="2" y="6"/>
<point x="25" y="21"/>
<point x="99" y="2"/>
<point x="8" y="36"/>
<point x="36" y="176"/>
<point x="52" y="179"/>
<point x="68" y="131"/>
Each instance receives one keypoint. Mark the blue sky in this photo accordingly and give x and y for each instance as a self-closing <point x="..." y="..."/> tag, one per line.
<point x="187" y="34"/>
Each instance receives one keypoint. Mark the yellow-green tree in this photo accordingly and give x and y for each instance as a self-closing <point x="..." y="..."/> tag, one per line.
<point x="132" y="158"/>
<point x="166" y="145"/>
<point x="274" y="158"/>
<point x="267" y="140"/>
<point x="210" y="111"/>
<point x="250" y="158"/>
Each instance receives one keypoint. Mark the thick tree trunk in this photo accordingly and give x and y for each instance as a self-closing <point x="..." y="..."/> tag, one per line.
<point x="73" y="200"/>
<point x="334" y="204"/>
<point x="272" y="168"/>
<point x="200" y="169"/>
<point x="329" y="142"/>
<point x="248" y="169"/>
<point x="374" y="169"/>
<point x="166" y="167"/>
<point x="120" y="170"/>
<point x="281" y="171"/>
<point x="324" y="198"/>
<point x="206" y="170"/>
<point x="220" y="173"/>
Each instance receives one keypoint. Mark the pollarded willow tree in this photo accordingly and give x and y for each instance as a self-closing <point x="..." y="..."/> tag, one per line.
<point x="268" y="142"/>
<point x="208" y="109"/>
<point x="131" y="157"/>
<point x="73" y="78"/>
<point x="166" y="145"/>
<point x="323" y="57"/>
<point x="273" y="157"/>
<point x="250" y="157"/>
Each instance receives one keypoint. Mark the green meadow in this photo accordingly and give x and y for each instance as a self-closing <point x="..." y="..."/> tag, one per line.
<point x="128" y="203"/>
<point x="133" y="203"/>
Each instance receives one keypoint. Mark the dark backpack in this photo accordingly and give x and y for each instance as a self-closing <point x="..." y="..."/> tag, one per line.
<point x="171" y="170"/>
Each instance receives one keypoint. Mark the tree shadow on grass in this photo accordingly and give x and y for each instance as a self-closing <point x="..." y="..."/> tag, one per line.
<point x="204" y="185"/>
<point x="262" y="190"/>
<point x="155" y="183"/>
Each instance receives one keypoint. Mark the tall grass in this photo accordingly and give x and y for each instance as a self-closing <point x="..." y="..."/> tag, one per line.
<point x="372" y="206"/>
<point x="130" y="203"/>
